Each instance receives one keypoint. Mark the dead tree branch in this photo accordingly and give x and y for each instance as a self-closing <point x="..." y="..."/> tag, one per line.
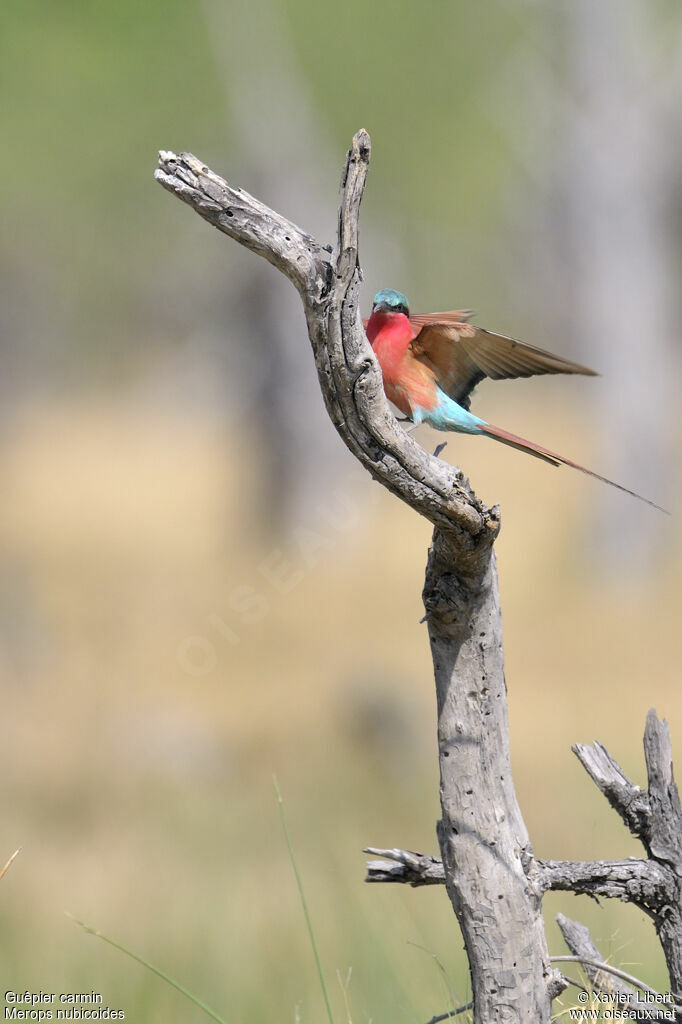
<point x="654" y="884"/>
<point x="484" y="844"/>
<point x="607" y="981"/>
<point x="349" y="376"/>
<point x="655" y="817"/>
<point x="413" y="869"/>
<point x="642" y="882"/>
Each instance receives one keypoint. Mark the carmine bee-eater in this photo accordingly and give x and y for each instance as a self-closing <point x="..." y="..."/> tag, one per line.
<point x="431" y="362"/>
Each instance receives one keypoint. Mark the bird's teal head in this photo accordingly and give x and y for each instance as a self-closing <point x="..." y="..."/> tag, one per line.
<point x="388" y="300"/>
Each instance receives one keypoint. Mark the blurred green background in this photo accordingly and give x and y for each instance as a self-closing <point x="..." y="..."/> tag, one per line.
<point x="199" y="589"/>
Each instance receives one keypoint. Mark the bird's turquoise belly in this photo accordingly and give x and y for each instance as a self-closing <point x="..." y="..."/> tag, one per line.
<point x="448" y="415"/>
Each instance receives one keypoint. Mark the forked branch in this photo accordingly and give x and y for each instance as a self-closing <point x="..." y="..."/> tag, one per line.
<point x="484" y="844"/>
<point x="653" y="884"/>
<point x="327" y="280"/>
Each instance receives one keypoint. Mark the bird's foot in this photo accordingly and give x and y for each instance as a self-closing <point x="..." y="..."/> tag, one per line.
<point x="439" y="448"/>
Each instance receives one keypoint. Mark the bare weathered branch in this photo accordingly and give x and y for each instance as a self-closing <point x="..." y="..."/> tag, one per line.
<point x="664" y="840"/>
<point x="645" y="883"/>
<point x="492" y="879"/>
<point x="483" y="838"/>
<point x="615" y="972"/>
<point x="246" y="219"/>
<point x="349" y="375"/>
<point x="404" y="866"/>
<point x="655" y="817"/>
<point x="609" y="982"/>
<point x="631" y="802"/>
<point x="654" y="884"/>
<point x="664" y="834"/>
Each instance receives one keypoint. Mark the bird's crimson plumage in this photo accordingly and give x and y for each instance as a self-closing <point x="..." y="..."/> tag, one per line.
<point x="431" y="362"/>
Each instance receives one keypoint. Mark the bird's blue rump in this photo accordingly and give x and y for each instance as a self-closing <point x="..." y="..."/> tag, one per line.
<point x="448" y="415"/>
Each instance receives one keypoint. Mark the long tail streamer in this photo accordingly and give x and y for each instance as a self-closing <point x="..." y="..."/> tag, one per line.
<point x="556" y="460"/>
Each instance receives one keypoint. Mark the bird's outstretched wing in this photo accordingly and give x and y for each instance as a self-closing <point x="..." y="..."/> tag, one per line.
<point x="461" y="355"/>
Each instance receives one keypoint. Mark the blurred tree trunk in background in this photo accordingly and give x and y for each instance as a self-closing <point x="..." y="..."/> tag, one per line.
<point x="280" y="137"/>
<point x="609" y="276"/>
<point x="272" y="121"/>
<point x="620" y="147"/>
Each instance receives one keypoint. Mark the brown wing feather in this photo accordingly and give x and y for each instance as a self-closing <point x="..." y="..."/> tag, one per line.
<point x="461" y="355"/>
<point x="454" y="316"/>
<point x="439" y="347"/>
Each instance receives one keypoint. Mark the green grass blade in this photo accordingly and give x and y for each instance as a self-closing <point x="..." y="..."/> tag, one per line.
<point x="150" y="967"/>
<point x="304" y="904"/>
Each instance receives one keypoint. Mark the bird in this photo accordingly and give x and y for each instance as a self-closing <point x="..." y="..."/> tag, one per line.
<point x="431" y="363"/>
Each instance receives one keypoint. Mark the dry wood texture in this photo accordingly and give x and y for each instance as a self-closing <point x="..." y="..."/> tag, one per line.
<point x="653" y="884"/>
<point x="491" y="877"/>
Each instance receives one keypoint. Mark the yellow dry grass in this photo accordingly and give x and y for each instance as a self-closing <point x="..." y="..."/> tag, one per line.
<point x="160" y="661"/>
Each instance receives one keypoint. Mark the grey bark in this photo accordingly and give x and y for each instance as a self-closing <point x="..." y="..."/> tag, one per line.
<point x="610" y="988"/>
<point x="654" y="885"/>
<point x="655" y="817"/>
<point x="483" y="839"/>
<point x="485" y="847"/>
<point x="645" y="883"/>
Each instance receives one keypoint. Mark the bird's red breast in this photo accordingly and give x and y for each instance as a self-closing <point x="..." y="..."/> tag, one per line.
<point x="407" y="383"/>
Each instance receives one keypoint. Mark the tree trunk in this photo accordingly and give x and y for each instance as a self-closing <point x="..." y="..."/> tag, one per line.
<point x="487" y="857"/>
<point x="483" y="840"/>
